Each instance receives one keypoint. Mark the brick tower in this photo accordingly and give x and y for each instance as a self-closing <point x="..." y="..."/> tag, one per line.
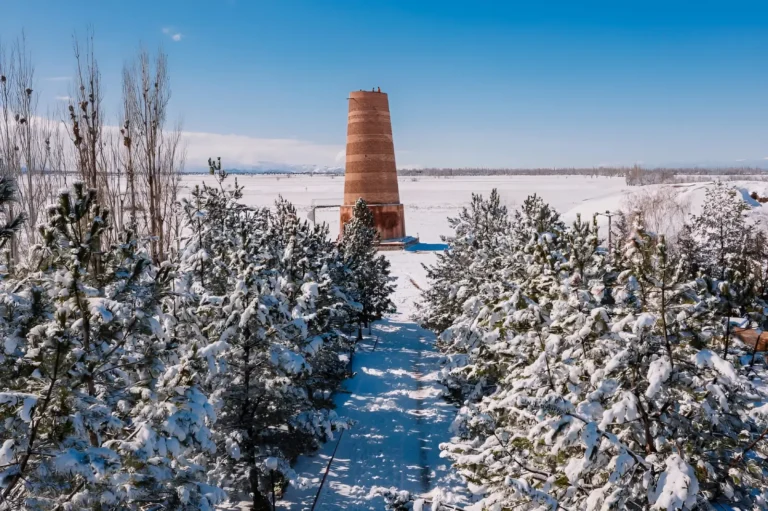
<point x="370" y="170"/>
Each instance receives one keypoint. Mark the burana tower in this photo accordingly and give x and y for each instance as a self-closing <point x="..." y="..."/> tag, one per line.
<point x="371" y="173"/>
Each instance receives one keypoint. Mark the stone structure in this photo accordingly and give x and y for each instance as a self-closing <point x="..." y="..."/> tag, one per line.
<point x="370" y="170"/>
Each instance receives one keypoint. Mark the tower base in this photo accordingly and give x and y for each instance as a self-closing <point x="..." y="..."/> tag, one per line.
<point x="398" y="244"/>
<point x="389" y="220"/>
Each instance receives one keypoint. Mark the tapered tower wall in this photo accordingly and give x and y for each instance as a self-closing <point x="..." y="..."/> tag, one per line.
<point x="371" y="171"/>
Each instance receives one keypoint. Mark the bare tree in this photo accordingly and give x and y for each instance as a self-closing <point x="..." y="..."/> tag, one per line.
<point x="664" y="210"/>
<point x="134" y="169"/>
<point x="10" y="155"/>
<point x="86" y="125"/>
<point x="26" y="151"/>
<point x="86" y="113"/>
<point x="155" y="156"/>
<point x="98" y="158"/>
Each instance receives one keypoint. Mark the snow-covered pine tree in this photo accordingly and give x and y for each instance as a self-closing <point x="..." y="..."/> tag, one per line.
<point x="537" y="247"/>
<point x="267" y="328"/>
<point x="595" y="404"/>
<point x="212" y="217"/>
<point x="535" y="219"/>
<point x="97" y="412"/>
<point x="720" y="228"/>
<point x="369" y="273"/>
<point x="522" y="347"/>
<point x="621" y="228"/>
<point x="528" y="257"/>
<point x="727" y="255"/>
<point x="473" y="254"/>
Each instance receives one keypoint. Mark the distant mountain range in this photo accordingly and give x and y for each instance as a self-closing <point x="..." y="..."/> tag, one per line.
<point x="268" y="167"/>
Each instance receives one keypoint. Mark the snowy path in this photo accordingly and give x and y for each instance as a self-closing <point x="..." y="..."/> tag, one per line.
<point x="401" y="418"/>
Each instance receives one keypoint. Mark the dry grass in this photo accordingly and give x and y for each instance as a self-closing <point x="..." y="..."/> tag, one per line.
<point x="415" y="284"/>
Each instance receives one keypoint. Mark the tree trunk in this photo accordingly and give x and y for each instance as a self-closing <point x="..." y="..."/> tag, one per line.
<point x="728" y="334"/>
<point x="260" y="502"/>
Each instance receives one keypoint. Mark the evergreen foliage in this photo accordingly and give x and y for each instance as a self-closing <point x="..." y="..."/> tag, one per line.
<point x="97" y="411"/>
<point x="603" y="381"/>
<point x="472" y="255"/>
<point x="127" y="385"/>
<point x="12" y="223"/>
<point x="367" y="272"/>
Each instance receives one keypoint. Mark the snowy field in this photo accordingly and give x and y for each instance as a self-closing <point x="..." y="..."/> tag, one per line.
<point x="428" y="200"/>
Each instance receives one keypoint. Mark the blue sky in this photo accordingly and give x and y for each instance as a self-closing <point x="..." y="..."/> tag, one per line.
<point x="479" y="83"/>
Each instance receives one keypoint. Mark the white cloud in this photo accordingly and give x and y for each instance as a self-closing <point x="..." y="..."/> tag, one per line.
<point x="63" y="98"/>
<point x="175" y="36"/>
<point x="58" y="79"/>
<point x="244" y="151"/>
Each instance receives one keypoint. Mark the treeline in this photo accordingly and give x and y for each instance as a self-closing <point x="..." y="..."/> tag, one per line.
<point x="602" y="379"/>
<point x="634" y="175"/>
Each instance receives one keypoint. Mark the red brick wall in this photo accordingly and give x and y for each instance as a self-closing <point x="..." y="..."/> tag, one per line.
<point x="371" y="171"/>
<point x="389" y="219"/>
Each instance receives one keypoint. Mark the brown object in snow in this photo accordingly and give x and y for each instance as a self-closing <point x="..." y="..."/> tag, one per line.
<point x="371" y="172"/>
<point x="750" y="337"/>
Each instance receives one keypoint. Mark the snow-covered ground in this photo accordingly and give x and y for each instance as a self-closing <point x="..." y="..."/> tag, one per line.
<point x="428" y="201"/>
<point x="692" y="194"/>
<point x="400" y="416"/>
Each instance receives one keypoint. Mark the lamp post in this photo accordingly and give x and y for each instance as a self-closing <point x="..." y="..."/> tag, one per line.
<point x="609" y="215"/>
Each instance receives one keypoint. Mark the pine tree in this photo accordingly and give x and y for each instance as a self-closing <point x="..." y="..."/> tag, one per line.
<point x="369" y="273"/>
<point x="474" y="253"/>
<point x="579" y="402"/>
<point x="720" y="228"/>
<point x="266" y="328"/>
<point x="725" y="252"/>
<point x="97" y="412"/>
<point x="12" y="222"/>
